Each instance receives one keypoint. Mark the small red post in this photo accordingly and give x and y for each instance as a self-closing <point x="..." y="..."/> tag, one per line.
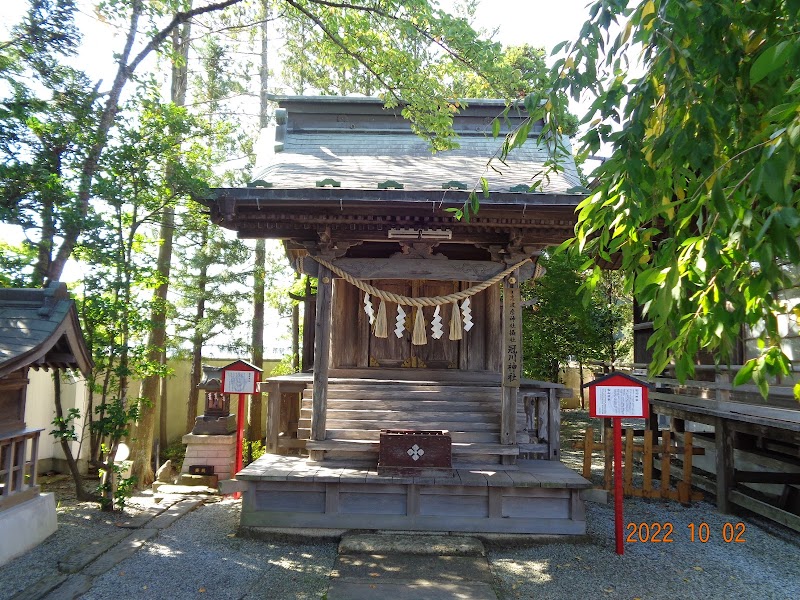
<point x="618" y="485"/>
<point x="239" y="439"/>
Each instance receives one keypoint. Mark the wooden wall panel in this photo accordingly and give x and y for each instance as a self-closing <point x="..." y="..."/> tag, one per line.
<point x="494" y="327"/>
<point x="441" y="353"/>
<point x="392" y="351"/>
<point x="350" y="337"/>
<point x="473" y="346"/>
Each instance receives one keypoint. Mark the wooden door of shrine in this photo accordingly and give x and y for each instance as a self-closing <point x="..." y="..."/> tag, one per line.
<point x="400" y="352"/>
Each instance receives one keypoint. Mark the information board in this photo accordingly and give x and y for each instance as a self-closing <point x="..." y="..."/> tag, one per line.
<point x="239" y="382"/>
<point x="619" y="401"/>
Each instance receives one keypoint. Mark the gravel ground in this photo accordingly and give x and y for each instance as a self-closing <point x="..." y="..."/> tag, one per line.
<point x="201" y="557"/>
<point x="79" y="523"/>
<point x="764" y="566"/>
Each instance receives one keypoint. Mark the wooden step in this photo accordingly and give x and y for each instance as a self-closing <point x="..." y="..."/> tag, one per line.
<point x="374" y="435"/>
<point x="411" y="385"/>
<point x="458" y="449"/>
<point x="411" y="422"/>
<point x="449" y="406"/>
<point x="387" y="393"/>
<point x="403" y="415"/>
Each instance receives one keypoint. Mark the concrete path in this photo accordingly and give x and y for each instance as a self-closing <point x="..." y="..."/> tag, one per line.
<point x="410" y="567"/>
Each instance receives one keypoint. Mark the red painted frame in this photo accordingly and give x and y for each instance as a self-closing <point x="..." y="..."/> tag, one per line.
<point x="618" y="380"/>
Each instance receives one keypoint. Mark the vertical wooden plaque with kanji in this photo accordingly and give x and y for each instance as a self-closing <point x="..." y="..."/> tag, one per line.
<point x="512" y="331"/>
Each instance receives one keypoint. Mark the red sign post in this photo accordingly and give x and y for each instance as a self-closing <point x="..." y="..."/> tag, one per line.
<point x="240" y="377"/>
<point x="617" y="396"/>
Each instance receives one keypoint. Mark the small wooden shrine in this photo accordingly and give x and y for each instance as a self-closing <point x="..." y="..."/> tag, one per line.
<point x="418" y="325"/>
<point x="39" y="329"/>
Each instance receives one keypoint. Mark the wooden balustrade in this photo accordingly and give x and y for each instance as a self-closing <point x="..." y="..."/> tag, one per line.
<point x="14" y="466"/>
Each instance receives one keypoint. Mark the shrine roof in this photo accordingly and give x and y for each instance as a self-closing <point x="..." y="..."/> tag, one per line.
<point x="39" y="328"/>
<point x="360" y="145"/>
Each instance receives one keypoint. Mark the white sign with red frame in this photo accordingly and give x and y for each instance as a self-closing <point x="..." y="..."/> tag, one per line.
<point x="618" y="395"/>
<point x="618" y="401"/>
<point x="238" y="382"/>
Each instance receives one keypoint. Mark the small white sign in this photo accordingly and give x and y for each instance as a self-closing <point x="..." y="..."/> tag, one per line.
<point x="240" y="382"/>
<point x="616" y="401"/>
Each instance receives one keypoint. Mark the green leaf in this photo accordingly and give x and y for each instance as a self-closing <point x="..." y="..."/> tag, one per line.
<point x="770" y="59"/>
<point x="495" y="127"/>
<point x="744" y="374"/>
<point x="485" y="188"/>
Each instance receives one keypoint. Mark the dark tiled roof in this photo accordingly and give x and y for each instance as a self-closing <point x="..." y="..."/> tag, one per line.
<point x="363" y="161"/>
<point x="39" y="328"/>
<point x="360" y="145"/>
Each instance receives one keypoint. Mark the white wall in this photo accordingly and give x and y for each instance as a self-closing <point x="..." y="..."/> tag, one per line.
<point x="40" y="411"/>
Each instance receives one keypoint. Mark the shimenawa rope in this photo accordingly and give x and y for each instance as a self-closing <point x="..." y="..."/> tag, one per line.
<point x="425" y="301"/>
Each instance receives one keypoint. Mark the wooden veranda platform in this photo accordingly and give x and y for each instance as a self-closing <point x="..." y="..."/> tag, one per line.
<point x="538" y="497"/>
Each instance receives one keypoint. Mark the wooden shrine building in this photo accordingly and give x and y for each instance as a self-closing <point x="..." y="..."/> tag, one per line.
<point x="416" y="415"/>
<point x="39" y="329"/>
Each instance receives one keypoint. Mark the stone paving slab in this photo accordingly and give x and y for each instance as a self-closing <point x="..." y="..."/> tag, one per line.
<point x="186" y="490"/>
<point x="145" y="516"/>
<point x="173" y="513"/>
<point x="365" y="590"/>
<point x="74" y="587"/>
<point x="41" y="588"/>
<point x="75" y="561"/>
<point x="120" y="552"/>
<point x="410" y="567"/>
<point x="435" y="545"/>
<point x="413" y="568"/>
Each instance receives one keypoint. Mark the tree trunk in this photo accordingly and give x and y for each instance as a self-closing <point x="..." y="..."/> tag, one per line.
<point x="80" y="492"/>
<point x="197" y="339"/>
<point x="142" y="447"/>
<point x="256" y="430"/>
<point x="583" y="395"/>
<point x="162" y="416"/>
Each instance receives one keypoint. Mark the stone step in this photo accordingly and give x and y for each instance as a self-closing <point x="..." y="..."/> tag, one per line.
<point x="426" y="545"/>
<point x="211" y="481"/>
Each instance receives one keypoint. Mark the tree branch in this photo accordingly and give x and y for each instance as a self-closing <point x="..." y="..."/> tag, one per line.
<point x="345" y="48"/>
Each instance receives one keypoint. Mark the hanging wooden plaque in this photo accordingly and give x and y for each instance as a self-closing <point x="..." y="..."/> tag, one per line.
<point x="512" y="331"/>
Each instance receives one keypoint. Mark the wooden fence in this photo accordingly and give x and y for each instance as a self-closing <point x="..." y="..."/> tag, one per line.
<point x="651" y="454"/>
<point x="17" y="474"/>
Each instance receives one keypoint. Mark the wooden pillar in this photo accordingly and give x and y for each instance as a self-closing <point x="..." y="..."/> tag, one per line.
<point x="724" y="442"/>
<point x="554" y="416"/>
<point x="512" y="359"/>
<point x="322" y="347"/>
<point x="273" y="416"/>
<point x="309" y="318"/>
